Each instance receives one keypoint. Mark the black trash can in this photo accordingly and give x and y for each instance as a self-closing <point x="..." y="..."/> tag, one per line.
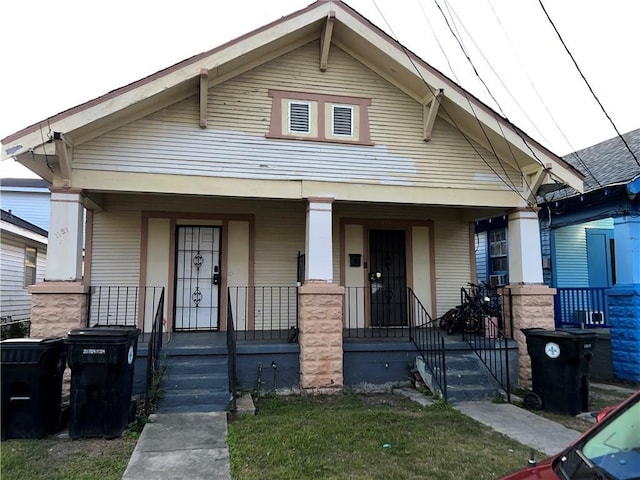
<point x="32" y="370"/>
<point x="560" y="369"/>
<point x="102" y="361"/>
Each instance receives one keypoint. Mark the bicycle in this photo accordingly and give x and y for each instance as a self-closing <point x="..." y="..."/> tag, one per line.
<point x="469" y="316"/>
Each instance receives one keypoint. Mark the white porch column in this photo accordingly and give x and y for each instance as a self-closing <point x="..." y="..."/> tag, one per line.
<point x="64" y="250"/>
<point x="319" y="242"/>
<point x="525" y="257"/>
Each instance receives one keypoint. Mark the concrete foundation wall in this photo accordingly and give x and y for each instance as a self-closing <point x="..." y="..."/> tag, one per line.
<point x="377" y="364"/>
<point x="287" y="373"/>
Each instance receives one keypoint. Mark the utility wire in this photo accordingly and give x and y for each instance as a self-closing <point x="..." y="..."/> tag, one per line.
<point x="458" y="37"/>
<point x="511" y="187"/>
<point x="451" y="29"/>
<point x="587" y="83"/>
<point x="540" y="99"/>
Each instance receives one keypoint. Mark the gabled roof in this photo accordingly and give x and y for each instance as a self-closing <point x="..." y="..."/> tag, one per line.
<point x="608" y="162"/>
<point x="351" y="32"/>
<point x="16" y="221"/>
<point x="24" y="183"/>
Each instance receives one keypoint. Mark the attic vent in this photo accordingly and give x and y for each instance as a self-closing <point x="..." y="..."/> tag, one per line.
<point x="299" y="117"/>
<point x="342" y="124"/>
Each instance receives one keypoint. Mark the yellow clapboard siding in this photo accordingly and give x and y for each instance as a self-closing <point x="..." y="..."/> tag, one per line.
<point x="234" y="144"/>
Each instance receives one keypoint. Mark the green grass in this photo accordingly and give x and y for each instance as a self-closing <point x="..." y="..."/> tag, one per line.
<point x="64" y="459"/>
<point x="344" y="436"/>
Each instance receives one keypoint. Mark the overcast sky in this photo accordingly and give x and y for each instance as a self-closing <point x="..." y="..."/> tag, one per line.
<point x="56" y="55"/>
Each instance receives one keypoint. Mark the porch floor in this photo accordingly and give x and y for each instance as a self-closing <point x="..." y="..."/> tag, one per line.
<point x="219" y="339"/>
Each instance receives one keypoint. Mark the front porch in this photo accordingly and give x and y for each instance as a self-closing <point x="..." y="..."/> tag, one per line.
<point x="204" y="367"/>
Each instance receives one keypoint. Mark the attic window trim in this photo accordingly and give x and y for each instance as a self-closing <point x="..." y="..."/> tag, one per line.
<point x="361" y="135"/>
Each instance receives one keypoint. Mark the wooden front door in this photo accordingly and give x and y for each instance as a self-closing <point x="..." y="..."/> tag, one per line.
<point x="388" y="278"/>
<point x="197" y="278"/>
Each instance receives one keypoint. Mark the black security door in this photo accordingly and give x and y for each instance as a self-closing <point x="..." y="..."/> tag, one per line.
<point x="387" y="278"/>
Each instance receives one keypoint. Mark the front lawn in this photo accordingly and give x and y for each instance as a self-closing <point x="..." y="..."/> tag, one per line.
<point x="366" y="437"/>
<point x="54" y="458"/>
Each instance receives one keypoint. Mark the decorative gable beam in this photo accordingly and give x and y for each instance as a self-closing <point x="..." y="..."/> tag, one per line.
<point x="204" y="95"/>
<point x="430" y="111"/>
<point x="325" y="42"/>
<point x="65" y="158"/>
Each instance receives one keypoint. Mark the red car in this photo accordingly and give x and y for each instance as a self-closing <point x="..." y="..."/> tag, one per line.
<point x="610" y="450"/>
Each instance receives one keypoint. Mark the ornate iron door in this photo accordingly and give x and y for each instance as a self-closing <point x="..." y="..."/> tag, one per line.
<point x="387" y="278"/>
<point x="197" y="278"/>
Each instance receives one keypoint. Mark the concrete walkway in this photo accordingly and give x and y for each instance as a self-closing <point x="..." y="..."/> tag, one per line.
<point x="182" y="445"/>
<point x="521" y="425"/>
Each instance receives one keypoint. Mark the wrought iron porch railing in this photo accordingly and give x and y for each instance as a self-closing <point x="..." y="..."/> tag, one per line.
<point x="232" y="357"/>
<point x="14" y="328"/>
<point x="153" y="356"/>
<point x="361" y="322"/>
<point x="264" y="313"/>
<point x="428" y="340"/>
<point x="123" y="305"/>
<point x="488" y="340"/>
<point x="493" y="351"/>
<point x="581" y="307"/>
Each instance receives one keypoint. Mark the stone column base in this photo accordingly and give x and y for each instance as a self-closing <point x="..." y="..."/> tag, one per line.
<point x="531" y="307"/>
<point x="320" y="320"/>
<point x="57" y="307"/>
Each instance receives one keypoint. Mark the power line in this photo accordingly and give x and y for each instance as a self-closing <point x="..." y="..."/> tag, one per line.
<point x="587" y="83"/>
<point x="511" y="187"/>
<point x="541" y="100"/>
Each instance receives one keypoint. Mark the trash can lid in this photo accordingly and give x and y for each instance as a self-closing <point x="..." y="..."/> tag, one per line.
<point x="565" y="333"/>
<point x="111" y="334"/>
<point x="31" y="341"/>
<point x="104" y="331"/>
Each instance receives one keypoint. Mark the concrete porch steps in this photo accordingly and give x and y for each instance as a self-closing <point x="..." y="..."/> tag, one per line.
<point x="467" y="378"/>
<point x="196" y="380"/>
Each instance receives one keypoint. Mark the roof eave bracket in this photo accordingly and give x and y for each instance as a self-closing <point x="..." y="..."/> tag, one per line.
<point x="204" y="95"/>
<point x="325" y="41"/>
<point x="430" y="111"/>
<point x="65" y="157"/>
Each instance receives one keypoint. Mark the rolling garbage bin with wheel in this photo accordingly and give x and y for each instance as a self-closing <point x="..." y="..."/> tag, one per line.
<point x="102" y="362"/>
<point x="32" y="370"/>
<point x="559" y="369"/>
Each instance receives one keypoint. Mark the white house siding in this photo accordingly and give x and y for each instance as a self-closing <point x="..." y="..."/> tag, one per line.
<point x="570" y="260"/>
<point x="15" y="300"/>
<point x="234" y="145"/>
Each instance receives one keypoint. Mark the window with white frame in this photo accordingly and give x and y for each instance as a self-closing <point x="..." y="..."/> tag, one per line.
<point x="498" y="250"/>
<point x="299" y="117"/>
<point x="30" y="261"/>
<point x="342" y="121"/>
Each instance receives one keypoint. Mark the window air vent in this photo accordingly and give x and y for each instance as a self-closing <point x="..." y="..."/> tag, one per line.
<point x="299" y="114"/>
<point x="342" y="121"/>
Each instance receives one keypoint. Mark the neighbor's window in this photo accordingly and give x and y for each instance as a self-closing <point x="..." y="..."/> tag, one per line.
<point x="342" y="121"/>
<point x="30" y="259"/>
<point x="299" y="117"/>
<point x="498" y="250"/>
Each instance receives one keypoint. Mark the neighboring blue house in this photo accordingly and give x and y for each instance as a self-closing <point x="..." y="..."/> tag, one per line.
<point x="26" y="198"/>
<point x="591" y="248"/>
